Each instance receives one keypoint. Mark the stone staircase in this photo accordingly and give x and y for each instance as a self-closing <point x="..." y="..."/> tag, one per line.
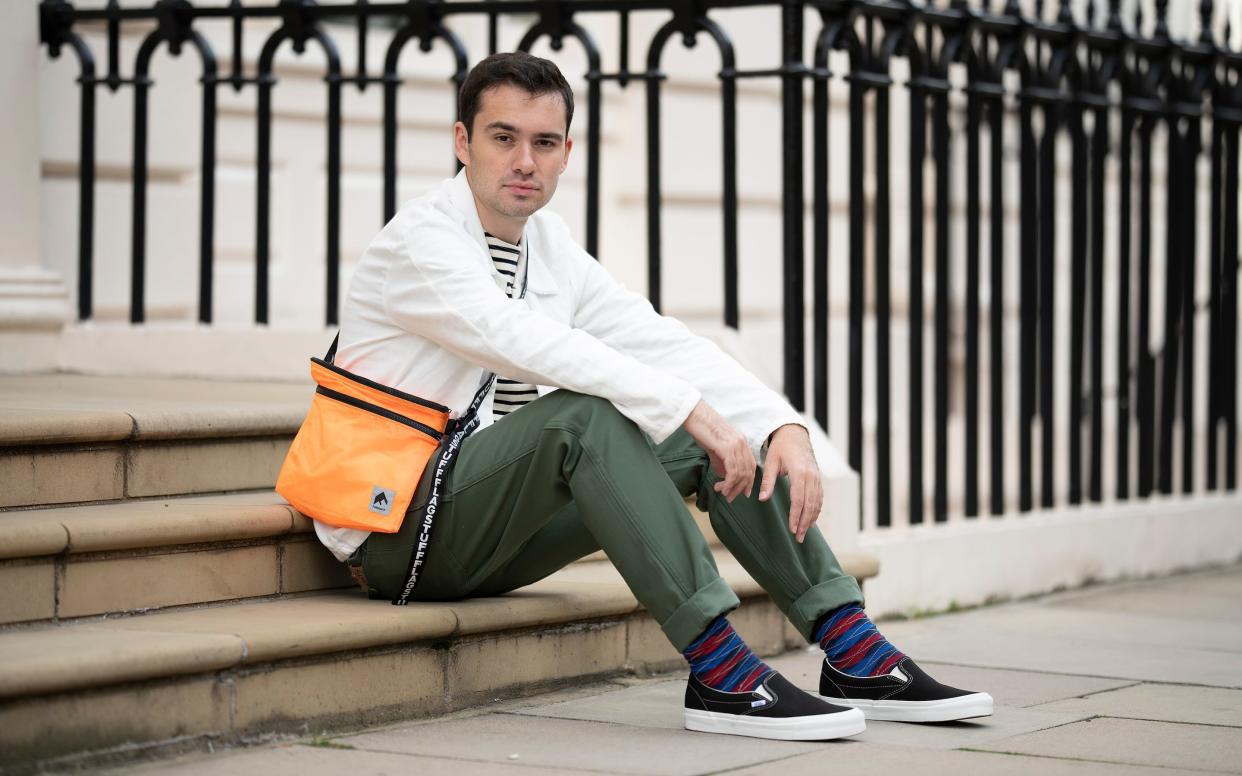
<point x="156" y="594"/>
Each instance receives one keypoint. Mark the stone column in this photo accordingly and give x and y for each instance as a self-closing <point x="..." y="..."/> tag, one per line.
<point x="33" y="303"/>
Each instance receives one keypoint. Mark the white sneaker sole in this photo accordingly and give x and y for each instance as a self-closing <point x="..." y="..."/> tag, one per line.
<point x="820" y="727"/>
<point x="977" y="704"/>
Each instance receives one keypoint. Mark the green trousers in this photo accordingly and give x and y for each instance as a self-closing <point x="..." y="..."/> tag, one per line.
<point x="567" y="475"/>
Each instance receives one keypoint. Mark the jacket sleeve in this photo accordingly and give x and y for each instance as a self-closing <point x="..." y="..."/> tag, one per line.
<point x="440" y="291"/>
<point x="627" y="322"/>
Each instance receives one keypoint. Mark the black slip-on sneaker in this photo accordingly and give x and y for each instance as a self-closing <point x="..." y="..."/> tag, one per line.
<point x="774" y="709"/>
<point x="905" y="694"/>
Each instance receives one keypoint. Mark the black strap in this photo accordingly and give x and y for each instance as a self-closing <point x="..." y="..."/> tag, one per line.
<point x="330" y="356"/>
<point x="446" y="455"/>
<point x="454" y="434"/>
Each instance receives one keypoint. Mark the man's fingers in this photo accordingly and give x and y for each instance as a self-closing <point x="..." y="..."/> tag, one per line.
<point x="739" y="474"/>
<point x="808" y="514"/>
<point x="814" y="505"/>
<point x="795" y="504"/>
<point x="771" y="471"/>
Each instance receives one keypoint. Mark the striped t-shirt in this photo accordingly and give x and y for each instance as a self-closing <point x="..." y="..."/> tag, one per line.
<point x="510" y="394"/>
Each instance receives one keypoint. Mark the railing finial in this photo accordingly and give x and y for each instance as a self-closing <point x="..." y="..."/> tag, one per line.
<point x="298" y="22"/>
<point x="1065" y="15"/>
<point x="686" y="15"/>
<point x="174" y="18"/>
<point x="55" y="21"/>
<point x="1162" y="20"/>
<point x="1205" y="21"/>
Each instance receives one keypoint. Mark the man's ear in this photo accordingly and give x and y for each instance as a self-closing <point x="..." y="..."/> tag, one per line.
<point x="569" y="146"/>
<point x="461" y="143"/>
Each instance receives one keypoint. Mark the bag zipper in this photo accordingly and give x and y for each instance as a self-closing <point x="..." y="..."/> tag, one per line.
<point x="431" y="405"/>
<point x="381" y="411"/>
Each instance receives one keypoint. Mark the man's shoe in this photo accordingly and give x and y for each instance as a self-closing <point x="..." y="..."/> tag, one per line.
<point x="774" y="709"/>
<point x="906" y="694"/>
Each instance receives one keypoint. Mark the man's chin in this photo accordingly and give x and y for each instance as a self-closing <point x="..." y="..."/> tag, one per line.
<point x="523" y="208"/>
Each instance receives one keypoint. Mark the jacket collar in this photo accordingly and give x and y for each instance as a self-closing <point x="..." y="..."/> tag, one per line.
<point x="538" y="277"/>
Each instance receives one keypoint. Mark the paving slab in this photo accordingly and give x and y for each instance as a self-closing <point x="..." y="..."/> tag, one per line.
<point x="1161" y="702"/>
<point x="1135" y="742"/>
<point x="327" y="760"/>
<point x="650" y="705"/>
<point x="873" y="760"/>
<point x="1058" y="639"/>
<point x="1214" y="595"/>
<point x="564" y="743"/>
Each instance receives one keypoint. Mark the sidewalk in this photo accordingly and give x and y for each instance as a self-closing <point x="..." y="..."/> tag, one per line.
<point x="1138" y="678"/>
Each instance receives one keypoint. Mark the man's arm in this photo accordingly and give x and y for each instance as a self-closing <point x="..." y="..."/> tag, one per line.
<point x="732" y="396"/>
<point x="626" y="322"/>
<point x="451" y="299"/>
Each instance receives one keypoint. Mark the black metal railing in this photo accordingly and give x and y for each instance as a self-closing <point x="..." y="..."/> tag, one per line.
<point x="1115" y="92"/>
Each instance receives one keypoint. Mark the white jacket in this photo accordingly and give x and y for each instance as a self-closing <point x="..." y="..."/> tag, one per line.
<point x="427" y="311"/>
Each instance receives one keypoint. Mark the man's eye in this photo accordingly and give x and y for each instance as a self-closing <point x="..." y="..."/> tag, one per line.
<point x="503" y="138"/>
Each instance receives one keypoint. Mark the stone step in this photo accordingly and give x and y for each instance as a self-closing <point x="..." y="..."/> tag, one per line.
<point x="66" y="562"/>
<point x="132" y="556"/>
<point x="78" y="438"/>
<point x="78" y="691"/>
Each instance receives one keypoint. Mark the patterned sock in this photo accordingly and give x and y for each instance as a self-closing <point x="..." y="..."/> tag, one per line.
<point x="853" y="645"/>
<point x="722" y="661"/>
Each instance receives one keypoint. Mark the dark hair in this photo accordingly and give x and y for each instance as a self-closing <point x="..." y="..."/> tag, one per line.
<point x="534" y="75"/>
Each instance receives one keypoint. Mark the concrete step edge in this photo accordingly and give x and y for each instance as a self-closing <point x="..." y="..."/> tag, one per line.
<point x="60" y="658"/>
<point x="346" y="690"/>
<point x="66" y="563"/>
<point x="145" y="523"/>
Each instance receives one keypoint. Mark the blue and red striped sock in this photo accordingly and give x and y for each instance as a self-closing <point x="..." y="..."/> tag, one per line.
<point x="853" y="645"/>
<point x="722" y="661"/>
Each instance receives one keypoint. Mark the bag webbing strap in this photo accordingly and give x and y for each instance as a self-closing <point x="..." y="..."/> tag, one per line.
<point x="458" y="429"/>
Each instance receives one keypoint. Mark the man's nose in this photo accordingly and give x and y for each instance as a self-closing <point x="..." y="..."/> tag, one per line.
<point x="524" y="160"/>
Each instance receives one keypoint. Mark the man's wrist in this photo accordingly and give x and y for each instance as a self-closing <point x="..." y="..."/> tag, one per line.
<point x="785" y="426"/>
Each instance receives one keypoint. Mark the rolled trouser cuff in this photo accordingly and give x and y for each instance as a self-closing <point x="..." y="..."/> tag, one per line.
<point x="821" y="599"/>
<point x="690" y="619"/>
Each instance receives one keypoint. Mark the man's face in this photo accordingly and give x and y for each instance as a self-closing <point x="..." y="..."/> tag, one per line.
<point x="517" y="153"/>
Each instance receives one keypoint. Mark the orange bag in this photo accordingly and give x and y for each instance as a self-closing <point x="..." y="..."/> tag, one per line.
<point x="360" y="452"/>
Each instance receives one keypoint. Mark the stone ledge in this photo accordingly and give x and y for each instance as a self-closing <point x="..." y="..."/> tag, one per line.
<point x="95" y="653"/>
<point x="149" y="523"/>
<point x="60" y="409"/>
<point x="31" y="534"/>
<point x="148" y="555"/>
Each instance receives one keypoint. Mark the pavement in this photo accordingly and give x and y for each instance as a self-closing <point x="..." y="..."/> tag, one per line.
<point x="1136" y="678"/>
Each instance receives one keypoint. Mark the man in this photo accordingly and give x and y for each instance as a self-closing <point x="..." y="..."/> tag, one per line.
<point x="475" y="278"/>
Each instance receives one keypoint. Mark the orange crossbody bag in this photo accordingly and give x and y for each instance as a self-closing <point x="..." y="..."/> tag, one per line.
<point x="358" y="456"/>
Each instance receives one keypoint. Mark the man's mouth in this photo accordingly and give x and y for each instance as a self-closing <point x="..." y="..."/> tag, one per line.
<point x="521" y="188"/>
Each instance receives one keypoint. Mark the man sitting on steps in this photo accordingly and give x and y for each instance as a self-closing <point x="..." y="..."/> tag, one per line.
<point x="475" y="278"/>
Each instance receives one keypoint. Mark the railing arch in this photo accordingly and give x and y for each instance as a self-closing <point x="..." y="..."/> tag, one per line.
<point x="297" y="28"/>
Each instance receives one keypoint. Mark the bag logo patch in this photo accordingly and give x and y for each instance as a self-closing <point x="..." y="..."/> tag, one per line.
<point x="381" y="500"/>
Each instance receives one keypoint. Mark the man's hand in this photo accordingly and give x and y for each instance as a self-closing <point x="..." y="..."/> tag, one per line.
<point x="789" y="452"/>
<point x="727" y="450"/>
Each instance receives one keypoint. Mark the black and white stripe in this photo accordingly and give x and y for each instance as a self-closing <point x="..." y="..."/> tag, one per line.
<point x="510" y="394"/>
